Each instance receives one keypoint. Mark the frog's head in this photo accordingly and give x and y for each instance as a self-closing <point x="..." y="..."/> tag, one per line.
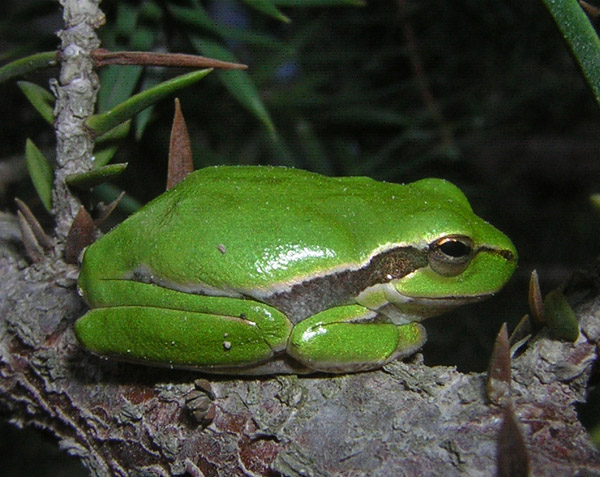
<point x="459" y="257"/>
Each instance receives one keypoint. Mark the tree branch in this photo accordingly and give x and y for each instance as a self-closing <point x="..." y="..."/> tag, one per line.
<point x="121" y="419"/>
<point x="75" y="101"/>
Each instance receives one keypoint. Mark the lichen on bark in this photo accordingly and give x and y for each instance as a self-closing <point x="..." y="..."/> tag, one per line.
<point x="75" y="93"/>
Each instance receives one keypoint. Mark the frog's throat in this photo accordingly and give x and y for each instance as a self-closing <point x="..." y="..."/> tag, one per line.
<point x="385" y="299"/>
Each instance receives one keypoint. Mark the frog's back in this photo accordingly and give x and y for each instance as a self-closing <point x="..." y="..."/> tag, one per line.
<point x="249" y="227"/>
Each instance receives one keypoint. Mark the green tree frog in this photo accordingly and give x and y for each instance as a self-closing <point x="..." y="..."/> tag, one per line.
<point x="260" y="270"/>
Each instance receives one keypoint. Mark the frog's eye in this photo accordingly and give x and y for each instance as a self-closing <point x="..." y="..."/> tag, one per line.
<point x="449" y="256"/>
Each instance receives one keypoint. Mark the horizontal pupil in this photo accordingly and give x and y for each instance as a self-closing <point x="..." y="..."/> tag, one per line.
<point x="455" y="249"/>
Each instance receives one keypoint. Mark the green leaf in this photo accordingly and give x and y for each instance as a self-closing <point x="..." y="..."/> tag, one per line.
<point x="267" y="7"/>
<point x="41" y="99"/>
<point x="40" y="172"/>
<point x="100" y="175"/>
<point x="115" y="134"/>
<point x="237" y="82"/>
<point x="103" y="155"/>
<point x="136" y="29"/>
<point x="103" y="122"/>
<point x="108" y="144"/>
<point x="581" y="37"/>
<point x="143" y="118"/>
<point x="108" y="192"/>
<point x="560" y="317"/>
<point x="26" y="65"/>
<point x="117" y="84"/>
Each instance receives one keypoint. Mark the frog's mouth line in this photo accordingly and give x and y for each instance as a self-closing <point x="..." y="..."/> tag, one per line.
<point x="396" y="298"/>
<point x="402" y="309"/>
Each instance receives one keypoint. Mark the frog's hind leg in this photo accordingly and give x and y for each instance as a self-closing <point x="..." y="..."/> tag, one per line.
<point x="173" y="337"/>
<point x="349" y="338"/>
<point x="158" y="326"/>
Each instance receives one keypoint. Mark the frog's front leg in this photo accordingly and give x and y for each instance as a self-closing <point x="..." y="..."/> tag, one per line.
<point x="350" y="338"/>
<point x="151" y="324"/>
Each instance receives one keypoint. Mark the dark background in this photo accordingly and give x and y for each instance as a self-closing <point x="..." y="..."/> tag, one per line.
<point x="485" y="94"/>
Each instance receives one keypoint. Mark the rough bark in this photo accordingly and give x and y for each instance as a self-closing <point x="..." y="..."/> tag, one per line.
<point x="407" y="419"/>
<point x="75" y="93"/>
